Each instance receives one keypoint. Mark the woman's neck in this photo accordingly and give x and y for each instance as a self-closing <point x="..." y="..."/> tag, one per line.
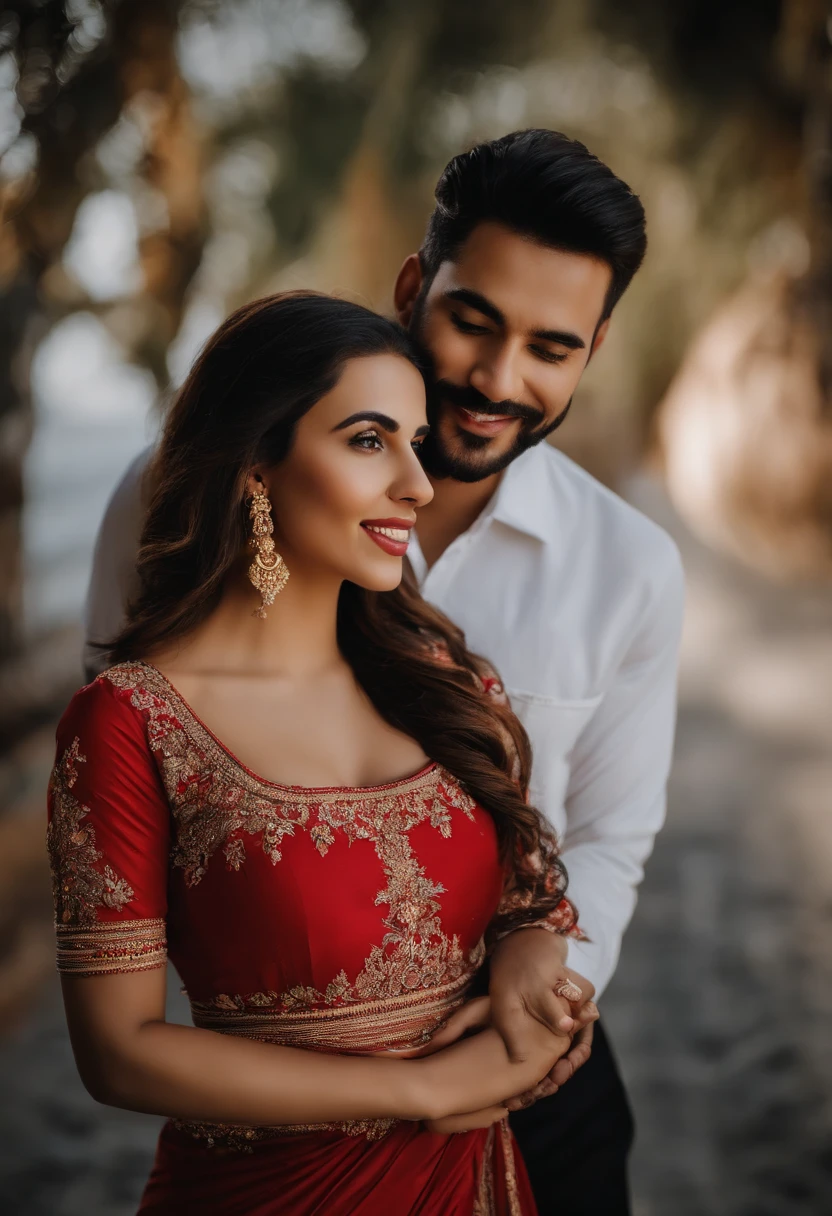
<point x="298" y="637"/>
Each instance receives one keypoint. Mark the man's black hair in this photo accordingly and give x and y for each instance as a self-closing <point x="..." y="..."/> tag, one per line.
<point x="548" y="187"/>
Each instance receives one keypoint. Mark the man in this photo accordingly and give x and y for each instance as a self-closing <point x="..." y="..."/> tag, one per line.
<point x="574" y="596"/>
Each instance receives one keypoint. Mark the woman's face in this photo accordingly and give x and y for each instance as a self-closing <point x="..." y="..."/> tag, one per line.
<point x="344" y="500"/>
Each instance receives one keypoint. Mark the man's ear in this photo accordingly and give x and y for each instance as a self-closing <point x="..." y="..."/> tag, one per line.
<point x="408" y="286"/>
<point x="598" y="341"/>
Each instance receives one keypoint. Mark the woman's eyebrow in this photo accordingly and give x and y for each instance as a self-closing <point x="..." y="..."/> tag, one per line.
<point x="387" y="423"/>
<point x="422" y="430"/>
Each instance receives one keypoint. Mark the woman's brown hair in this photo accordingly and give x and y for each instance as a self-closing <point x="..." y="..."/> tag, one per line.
<point x="263" y="369"/>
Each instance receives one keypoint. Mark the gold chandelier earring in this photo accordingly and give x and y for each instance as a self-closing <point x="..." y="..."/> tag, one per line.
<point x="268" y="571"/>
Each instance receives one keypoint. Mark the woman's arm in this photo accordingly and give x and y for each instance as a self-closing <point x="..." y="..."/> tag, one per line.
<point x="128" y="1056"/>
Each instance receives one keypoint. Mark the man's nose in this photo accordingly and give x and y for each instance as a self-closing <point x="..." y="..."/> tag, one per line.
<point x="496" y="375"/>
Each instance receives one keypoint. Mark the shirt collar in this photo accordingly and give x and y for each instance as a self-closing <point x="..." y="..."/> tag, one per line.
<point x="523" y="499"/>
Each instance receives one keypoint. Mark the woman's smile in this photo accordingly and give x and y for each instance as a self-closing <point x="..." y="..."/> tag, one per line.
<point x="391" y="535"/>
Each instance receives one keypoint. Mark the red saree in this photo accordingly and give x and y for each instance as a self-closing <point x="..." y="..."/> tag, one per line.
<point x="346" y="920"/>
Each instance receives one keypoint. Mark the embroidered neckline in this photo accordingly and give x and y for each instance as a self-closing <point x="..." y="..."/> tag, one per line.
<point x="218" y="805"/>
<point x="205" y="735"/>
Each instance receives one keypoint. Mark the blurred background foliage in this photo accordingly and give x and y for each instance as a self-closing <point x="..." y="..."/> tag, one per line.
<point x="163" y="160"/>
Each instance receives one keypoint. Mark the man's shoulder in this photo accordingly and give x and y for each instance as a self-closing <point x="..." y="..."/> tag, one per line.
<point x="132" y="486"/>
<point x="113" y="576"/>
<point x="622" y="537"/>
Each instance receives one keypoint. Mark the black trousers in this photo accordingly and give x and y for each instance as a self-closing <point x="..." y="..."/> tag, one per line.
<point x="575" y="1144"/>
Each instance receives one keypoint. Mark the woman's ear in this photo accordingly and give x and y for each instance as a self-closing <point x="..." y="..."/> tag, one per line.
<point x="255" y="483"/>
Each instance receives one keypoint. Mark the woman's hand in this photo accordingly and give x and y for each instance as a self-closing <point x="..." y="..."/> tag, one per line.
<point x="475" y="1015"/>
<point x="526" y="967"/>
<point x="469" y="1019"/>
<point x="472" y="1016"/>
<point x="475" y="1073"/>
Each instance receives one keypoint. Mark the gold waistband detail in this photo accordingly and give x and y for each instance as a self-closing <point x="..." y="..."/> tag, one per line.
<point x="243" y="1139"/>
<point x="361" y="1026"/>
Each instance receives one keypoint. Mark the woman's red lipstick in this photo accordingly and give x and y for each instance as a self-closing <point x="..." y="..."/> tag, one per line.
<point x="383" y="532"/>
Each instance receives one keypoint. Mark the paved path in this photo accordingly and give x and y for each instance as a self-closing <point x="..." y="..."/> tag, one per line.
<point x="721" y="1005"/>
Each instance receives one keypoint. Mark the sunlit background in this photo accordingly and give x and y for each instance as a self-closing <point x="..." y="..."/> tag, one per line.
<point x="163" y="160"/>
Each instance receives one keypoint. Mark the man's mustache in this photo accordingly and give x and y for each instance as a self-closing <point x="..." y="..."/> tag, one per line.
<point x="471" y="399"/>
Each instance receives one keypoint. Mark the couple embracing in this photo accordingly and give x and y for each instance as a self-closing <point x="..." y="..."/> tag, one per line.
<point x="377" y="668"/>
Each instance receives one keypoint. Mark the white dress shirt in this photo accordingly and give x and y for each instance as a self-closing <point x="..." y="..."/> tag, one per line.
<point x="576" y="599"/>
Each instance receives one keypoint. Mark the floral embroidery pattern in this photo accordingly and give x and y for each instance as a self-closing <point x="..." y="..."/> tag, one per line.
<point x="79" y="887"/>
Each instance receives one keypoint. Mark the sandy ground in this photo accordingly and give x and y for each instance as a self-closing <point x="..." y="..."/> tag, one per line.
<point x="720" y="1009"/>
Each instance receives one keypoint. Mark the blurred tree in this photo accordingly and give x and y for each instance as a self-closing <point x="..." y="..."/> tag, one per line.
<point x="349" y="145"/>
<point x="740" y="125"/>
<point x="80" y="66"/>
<point x="746" y="426"/>
<point x="357" y="163"/>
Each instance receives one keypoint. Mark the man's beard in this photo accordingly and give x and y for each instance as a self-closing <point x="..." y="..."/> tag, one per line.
<point x="474" y="463"/>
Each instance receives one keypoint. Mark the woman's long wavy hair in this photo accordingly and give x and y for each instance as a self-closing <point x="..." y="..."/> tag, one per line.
<point x="263" y="369"/>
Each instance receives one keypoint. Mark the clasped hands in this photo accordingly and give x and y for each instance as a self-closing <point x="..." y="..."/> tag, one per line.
<point x="533" y="1021"/>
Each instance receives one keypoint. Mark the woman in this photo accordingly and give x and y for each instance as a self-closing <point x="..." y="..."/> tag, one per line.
<point x="297" y="780"/>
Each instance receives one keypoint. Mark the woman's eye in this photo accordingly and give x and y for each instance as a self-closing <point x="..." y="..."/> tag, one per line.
<point x="370" y="441"/>
<point x="465" y="327"/>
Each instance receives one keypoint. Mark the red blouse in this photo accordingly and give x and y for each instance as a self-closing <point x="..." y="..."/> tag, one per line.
<point x="334" y="919"/>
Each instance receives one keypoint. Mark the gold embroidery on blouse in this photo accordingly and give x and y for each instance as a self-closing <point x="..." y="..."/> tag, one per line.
<point x="112" y="946"/>
<point x="78" y="886"/>
<point x="216" y="800"/>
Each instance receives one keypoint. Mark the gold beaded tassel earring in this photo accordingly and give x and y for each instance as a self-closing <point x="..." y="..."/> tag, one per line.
<point x="268" y="571"/>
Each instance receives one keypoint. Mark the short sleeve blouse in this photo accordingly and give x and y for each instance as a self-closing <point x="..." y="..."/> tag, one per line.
<point x="108" y="838"/>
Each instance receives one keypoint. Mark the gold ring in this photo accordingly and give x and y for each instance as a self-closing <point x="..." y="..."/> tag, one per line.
<point x="569" y="991"/>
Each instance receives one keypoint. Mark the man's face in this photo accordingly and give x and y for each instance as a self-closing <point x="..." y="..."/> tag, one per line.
<point x="510" y="325"/>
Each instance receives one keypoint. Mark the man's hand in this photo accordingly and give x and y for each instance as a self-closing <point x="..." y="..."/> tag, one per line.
<point x="526" y="967"/>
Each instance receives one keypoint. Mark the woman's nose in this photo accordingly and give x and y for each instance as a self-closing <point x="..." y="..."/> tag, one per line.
<point x="414" y="485"/>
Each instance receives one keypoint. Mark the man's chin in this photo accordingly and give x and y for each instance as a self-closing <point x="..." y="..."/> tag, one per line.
<point x="466" y="461"/>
